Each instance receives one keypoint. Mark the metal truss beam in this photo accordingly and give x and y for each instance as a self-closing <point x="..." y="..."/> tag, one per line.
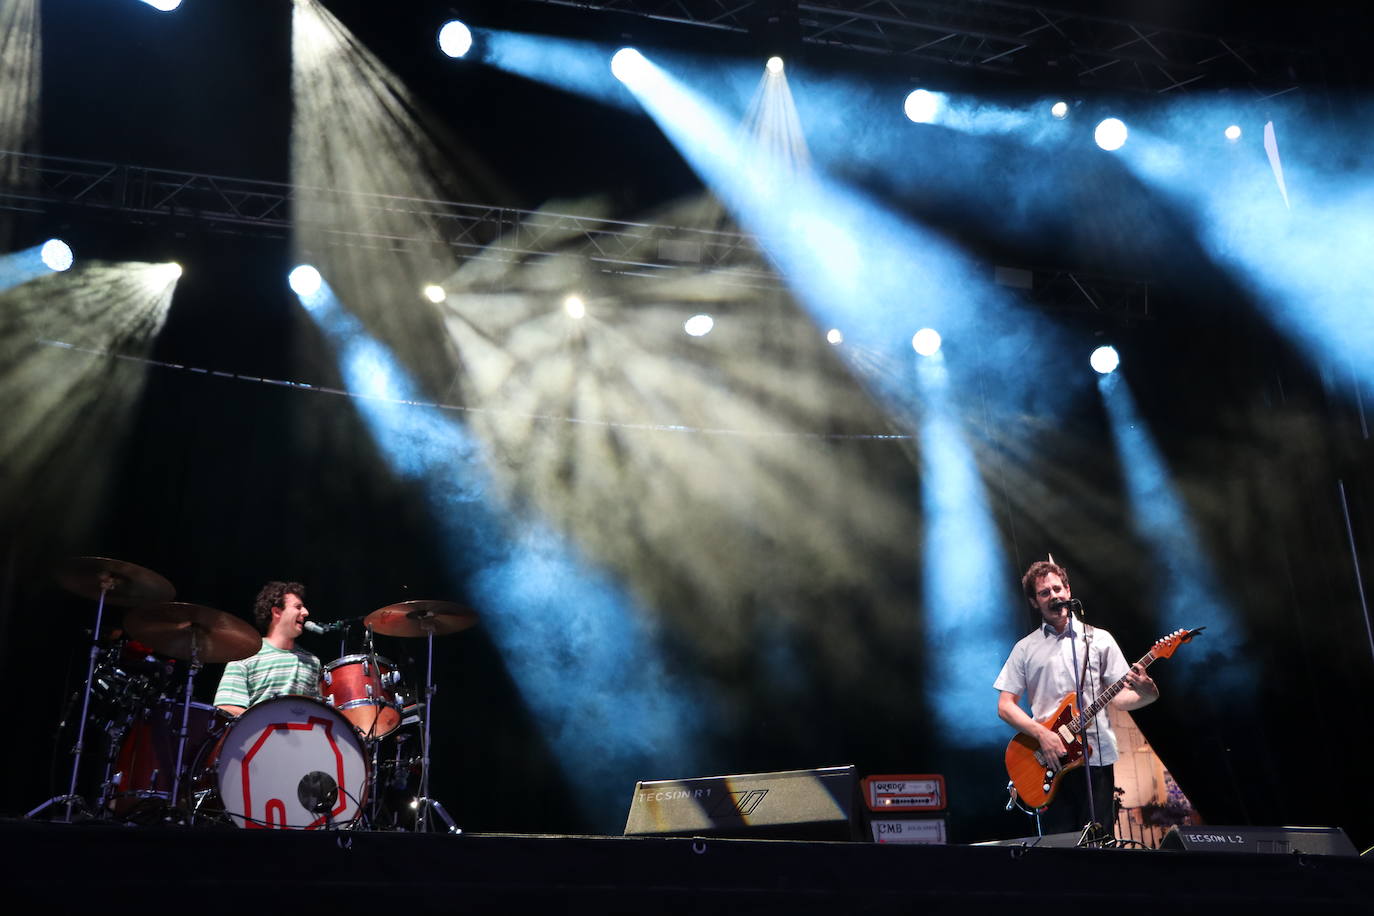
<point x="1013" y="39"/>
<point x="469" y="230"/>
<point x="242" y="206"/>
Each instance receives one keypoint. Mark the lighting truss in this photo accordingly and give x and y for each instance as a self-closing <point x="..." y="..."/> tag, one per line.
<point x="243" y="206"/>
<point x="469" y="230"/>
<point x="1012" y="39"/>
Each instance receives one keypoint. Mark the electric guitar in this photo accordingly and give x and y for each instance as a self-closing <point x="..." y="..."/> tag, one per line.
<point x="1035" y="783"/>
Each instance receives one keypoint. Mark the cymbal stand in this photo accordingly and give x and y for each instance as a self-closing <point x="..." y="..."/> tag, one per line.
<point x="423" y="803"/>
<point x="184" y="732"/>
<point x="370" y="739"/>
<point x="107" y="584"/>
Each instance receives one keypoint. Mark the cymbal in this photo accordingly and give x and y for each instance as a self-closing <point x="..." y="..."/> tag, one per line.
<point x="129" y="585"/>
<point x="174" y="626"/>
<point x="420" y="618"/>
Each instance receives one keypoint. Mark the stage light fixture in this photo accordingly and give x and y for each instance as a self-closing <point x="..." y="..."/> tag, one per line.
<point x="160" y="276"/>
<point x="1233" y="133"/>
<point x="163" y="6"/>
<point x="455" y="38"/>
<point x="1060" y="110"/>
<point x="775" y="65"/>
<point x="699" y="325"/>
<point x="626" y="63"/>
<point x="1111" y="134"/>
<point x="926" y="342"/>
<point x="305" y="280"/>
<point x="575" y="307"/>
<point x="922" y="106"/>
<point x="834" y="336"/>
<point x="435" y="293"/>
<point x="56" y="255"/>
<point x="1105" y="360"/>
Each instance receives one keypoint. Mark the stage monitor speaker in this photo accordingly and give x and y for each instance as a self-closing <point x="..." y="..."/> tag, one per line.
<point x="1048" y="841"/>
<point x="1311" y="841"/>
<point x="815" y="804"/>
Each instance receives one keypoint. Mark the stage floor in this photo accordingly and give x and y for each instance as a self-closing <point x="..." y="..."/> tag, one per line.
<point x="101" y="868"/>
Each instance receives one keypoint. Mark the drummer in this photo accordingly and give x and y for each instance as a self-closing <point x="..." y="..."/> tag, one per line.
<point x="279" y="667"/>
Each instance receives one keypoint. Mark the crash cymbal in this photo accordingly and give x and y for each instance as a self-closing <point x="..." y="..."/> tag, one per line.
<point x="172" y="627"/>
<point x="128" y="585"/>
<point x="420" y="618"/>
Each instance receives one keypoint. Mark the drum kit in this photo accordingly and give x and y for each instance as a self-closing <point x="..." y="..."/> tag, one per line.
<point x="333" y="761"/>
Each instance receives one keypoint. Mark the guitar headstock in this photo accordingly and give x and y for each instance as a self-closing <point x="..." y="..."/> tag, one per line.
<point x="1166" y="646"/>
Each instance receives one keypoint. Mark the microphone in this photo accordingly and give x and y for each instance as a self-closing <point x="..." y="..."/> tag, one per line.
<point x="322" y="629"/>
<point x="1073" y="604"/>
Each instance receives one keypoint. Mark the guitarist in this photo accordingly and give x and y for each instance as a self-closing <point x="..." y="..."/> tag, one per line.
<point x="1042" y="669"/>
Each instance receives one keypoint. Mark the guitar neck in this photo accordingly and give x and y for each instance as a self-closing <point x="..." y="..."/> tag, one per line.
<point x="1105" y="696"/>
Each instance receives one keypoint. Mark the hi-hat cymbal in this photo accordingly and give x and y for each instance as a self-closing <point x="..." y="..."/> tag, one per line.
<point x="420" y="618"/>
<point x="125" y="584"/>
<point x="174" y="627"/>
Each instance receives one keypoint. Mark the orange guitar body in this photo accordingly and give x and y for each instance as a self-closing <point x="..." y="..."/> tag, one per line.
<point x="1025" y="767"/>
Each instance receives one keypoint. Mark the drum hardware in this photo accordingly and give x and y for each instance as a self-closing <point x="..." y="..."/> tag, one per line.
<point x="107" y="581"/>
<point x="413" y="619"/>
<point x="197" y="634"/>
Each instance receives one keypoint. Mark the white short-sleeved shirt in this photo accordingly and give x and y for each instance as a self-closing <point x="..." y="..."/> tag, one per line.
<point x="1040" y="671"/>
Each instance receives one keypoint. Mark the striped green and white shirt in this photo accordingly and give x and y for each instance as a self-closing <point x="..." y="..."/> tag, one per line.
<point x="271" y="673"/>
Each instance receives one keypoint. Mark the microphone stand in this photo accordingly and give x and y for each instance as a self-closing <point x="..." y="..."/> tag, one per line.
<point x="1088" y="836"/>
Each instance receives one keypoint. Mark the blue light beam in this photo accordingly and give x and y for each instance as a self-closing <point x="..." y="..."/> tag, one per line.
<point x="19" y="267"/>
<point x="573" y="66"/>
<point x="573" y="641"/>
<point x="1189" y="594"/>
<point x="966" y="622"/>
<point x="1291" y="229"/>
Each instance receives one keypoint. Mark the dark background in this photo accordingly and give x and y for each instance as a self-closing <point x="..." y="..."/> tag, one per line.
<point x="220" y="484"/>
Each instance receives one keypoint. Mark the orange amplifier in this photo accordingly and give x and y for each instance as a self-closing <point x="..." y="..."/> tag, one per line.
<point x="904" y="793"/>
<point x="901" y="809"/>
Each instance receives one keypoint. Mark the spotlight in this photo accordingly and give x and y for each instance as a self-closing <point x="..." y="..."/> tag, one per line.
<point x="775" y="65"/>
<point x="1233" y="133"/>
<point x="1105" y="360"/>
<point x="164" y="6"/>
<point x="699" y="325"/>
<point x="56" y="254"/>
<point x="435" y="293"/>
<point x="576" y="308"/>
<point x="1111" y="134"/>
<point x="627" y="63"/>
<point x="455" y="39"/>
<point x="1060" y="110"/>
<point x="305" y="280"/>
<point x="926" y="342"/>
<point x="162" y="276"/>
<point x="922" y="106"/>
<point x="834" y="336"/>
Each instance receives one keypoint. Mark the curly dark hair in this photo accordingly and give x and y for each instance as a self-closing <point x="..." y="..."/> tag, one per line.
<point x="273" y="594"/>
<point x="1039" y="570"/>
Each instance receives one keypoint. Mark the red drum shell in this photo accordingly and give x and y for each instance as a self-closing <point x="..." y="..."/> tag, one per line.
<point x="363" y="693"/>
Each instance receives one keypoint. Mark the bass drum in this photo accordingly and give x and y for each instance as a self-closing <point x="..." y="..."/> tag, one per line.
<point x="292" y="763"/>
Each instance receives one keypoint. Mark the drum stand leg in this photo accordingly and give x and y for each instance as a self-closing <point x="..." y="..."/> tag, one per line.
<point x="373" y="799"/>
<point x="424" y="803"/>
<point x="71" y="799"/>
<point x="175" y="799"/>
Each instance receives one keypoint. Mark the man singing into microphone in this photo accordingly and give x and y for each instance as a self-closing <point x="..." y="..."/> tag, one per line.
<point x="1044" y="667"/>
<point x="279" y="667"/>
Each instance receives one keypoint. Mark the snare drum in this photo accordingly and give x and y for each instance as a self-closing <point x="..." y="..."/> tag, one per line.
<point x="364" y="692"/>
<point x="291" y="762"/>
<point x="148" y="755"/>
